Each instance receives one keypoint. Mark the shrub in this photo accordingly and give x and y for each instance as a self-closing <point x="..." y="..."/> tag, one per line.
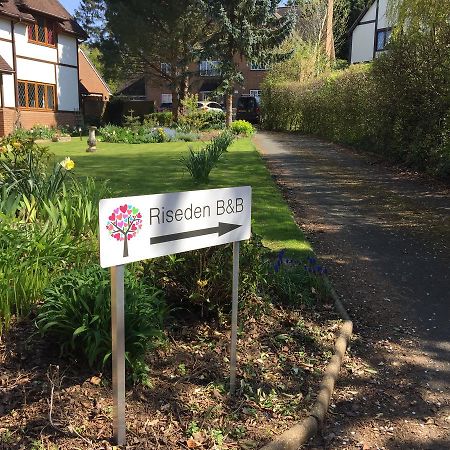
<point x="162" y="119"/>
<point x="139" y="134"/>
<point x="356" y="107"/>
<point x="242" y="127"/>
<point x="31" y="255"/>
<point x="76" y="314"/>
<point x="200" y="280"/>
<point x="199" y="163"/>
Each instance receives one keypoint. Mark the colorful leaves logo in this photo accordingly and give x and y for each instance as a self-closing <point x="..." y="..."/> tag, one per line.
<point x="124" y="224"/>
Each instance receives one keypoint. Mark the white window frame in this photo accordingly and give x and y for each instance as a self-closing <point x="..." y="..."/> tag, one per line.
<point x="166" y="98"/>
<point x="209" y="68"/>
<point x="259" y="66"/>
<point x="166" y="68"/>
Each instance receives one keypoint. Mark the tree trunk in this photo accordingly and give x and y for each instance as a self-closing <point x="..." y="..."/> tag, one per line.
<point x="175" y="103"/>
<point x="184" y="90"/>
<point x="229" y="108"/>
<point x="125" y="247"/>
<point x="329" y="37"/>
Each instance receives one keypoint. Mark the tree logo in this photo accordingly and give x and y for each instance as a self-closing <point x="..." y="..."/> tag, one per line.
<point x="124" y="224"/>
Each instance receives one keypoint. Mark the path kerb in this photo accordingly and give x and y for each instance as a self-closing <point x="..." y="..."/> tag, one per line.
<point x="301" y="433"/>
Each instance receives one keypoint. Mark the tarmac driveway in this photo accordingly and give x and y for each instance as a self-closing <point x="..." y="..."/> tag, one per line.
<point x="384" y="235"/>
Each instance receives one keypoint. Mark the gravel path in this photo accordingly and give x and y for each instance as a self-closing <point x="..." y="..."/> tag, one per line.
<point x="385" y="237"/>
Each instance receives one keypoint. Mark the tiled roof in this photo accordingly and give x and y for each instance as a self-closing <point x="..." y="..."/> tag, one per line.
<point x="5" y="67"/>
<point x="24" y="10"/>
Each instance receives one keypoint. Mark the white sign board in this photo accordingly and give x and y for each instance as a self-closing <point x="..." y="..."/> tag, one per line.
<point x="137" y="228"/>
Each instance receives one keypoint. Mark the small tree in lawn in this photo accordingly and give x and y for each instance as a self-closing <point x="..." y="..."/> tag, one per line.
<point x="244" y="29"/>
<point x="124" y="224"/>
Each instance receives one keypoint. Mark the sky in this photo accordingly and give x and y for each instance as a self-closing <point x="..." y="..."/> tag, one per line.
<point x="70" y="5"/>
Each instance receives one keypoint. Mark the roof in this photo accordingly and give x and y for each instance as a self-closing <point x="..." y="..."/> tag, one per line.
<point x="91" y="81"/>
<point x="5" y="67"/>
<point x="26" y="9"/>
<point x="362" y="14"/>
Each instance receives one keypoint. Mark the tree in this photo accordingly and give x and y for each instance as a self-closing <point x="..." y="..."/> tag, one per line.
<point x="124" y="224"/>
<point x="158" y="39"/>
<point x="244" y="29"/>
<point x="91" y="16"/>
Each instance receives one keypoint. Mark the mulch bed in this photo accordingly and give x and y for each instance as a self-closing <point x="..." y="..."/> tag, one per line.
<point x="48" y="402"/>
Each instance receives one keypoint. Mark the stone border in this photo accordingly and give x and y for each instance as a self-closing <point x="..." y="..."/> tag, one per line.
<point x="301" y="433"/>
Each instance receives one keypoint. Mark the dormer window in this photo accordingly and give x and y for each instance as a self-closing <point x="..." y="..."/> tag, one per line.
<point x="42" y="32"/>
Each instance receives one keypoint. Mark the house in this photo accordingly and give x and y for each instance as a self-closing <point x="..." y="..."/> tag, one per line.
<point x="370" y="33"/>
<point x="204" y="80"/>
<point x="95" y="92"/>
<point x="39" y="81"/>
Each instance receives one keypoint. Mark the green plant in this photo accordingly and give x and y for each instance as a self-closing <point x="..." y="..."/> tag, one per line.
<point x="76" y="314"/>
<point x="200" y="280"/>
<point x="32" y="254"/>
<point x="199" y="163"/>
<point x="242" y="127"/>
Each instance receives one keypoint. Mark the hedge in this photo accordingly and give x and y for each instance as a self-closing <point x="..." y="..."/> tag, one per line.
<point x="398" y="106"/>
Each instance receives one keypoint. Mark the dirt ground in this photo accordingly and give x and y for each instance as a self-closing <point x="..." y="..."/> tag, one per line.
<point x="384" y="234"/>
<point x="53" y="403"/>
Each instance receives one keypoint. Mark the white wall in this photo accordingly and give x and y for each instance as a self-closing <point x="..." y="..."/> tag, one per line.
<point x="25" y="48"/>
<point x="363" y="43"/>
<point x="67" y="88"/>
<point x="35" y="71"/>
<point x="5" y="29"/>
<point x="67" y="49"/>
<point x="9" y="94"/>
<point x="371" y="14"/>
<point x="383" y="21"/>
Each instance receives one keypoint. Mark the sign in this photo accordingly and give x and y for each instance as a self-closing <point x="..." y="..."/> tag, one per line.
<point x="144" y="227"/>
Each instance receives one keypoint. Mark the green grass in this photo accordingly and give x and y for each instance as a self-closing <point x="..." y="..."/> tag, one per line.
<point x="156" y="168"/>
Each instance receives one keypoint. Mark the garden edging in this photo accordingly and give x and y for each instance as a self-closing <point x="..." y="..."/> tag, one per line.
<point x="299" y="434"/>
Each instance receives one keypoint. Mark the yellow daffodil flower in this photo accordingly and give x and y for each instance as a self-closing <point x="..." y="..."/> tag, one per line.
<point x="67" y="163"/>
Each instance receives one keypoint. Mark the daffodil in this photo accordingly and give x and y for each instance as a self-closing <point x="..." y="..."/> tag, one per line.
<point x="3" y="149"/>
<point x="17" y="144"/>
<point x="67" y="163"/>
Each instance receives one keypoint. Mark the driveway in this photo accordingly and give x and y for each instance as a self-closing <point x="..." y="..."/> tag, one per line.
<point x="384" y="235"/>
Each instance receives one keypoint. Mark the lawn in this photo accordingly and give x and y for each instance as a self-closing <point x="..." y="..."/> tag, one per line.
<point x="155" y="168"/>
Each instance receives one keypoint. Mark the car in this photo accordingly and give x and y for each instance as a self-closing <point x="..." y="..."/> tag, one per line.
<point x="209" y="106"/>
<point x="248" y="108"/>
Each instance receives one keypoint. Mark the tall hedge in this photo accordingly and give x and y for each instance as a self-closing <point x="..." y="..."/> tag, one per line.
<point x="398" y="106"/>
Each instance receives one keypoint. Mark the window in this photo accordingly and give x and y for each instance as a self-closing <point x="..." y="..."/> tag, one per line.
<point x="166" y="98"/>
<point x="166" y="68"/>
<point x="383" y="37"/>
<point x="209" y="68"/>
<point x="259" y="66"/>
<point x="42" y="32"/>
<point x="36" y="95"/>
<point x="255" y="93"/>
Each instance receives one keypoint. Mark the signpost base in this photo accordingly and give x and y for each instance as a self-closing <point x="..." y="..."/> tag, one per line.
<point x="234" y="317"/>
<point x="118" y="352"/>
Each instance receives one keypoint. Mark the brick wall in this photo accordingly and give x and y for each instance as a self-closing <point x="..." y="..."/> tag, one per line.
<point x="9" y="117"/>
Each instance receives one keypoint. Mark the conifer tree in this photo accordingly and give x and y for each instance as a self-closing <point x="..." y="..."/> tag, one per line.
<point x="249" y="29"/>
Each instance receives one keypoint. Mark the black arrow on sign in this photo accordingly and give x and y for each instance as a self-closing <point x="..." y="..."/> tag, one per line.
<point x="222" y="229"/>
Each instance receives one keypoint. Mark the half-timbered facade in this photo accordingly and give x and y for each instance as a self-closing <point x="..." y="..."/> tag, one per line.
<point x="370" y="33"/>
<point x="39" y="78"/>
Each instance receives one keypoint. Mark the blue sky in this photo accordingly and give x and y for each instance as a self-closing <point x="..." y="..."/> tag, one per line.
<point x="70" y="5"/>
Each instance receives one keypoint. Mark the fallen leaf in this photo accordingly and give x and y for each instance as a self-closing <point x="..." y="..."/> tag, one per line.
<point x="96" y="381"/>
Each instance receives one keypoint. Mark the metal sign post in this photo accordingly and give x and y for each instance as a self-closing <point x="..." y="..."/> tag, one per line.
<point x="118" y="352"/>
<point x="137" y="228"/>
<point x="234" y="317"/>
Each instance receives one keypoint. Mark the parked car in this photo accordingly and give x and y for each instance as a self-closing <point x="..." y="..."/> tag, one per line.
<point x="209" y="106"/>
<point x="247" y="108"/>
